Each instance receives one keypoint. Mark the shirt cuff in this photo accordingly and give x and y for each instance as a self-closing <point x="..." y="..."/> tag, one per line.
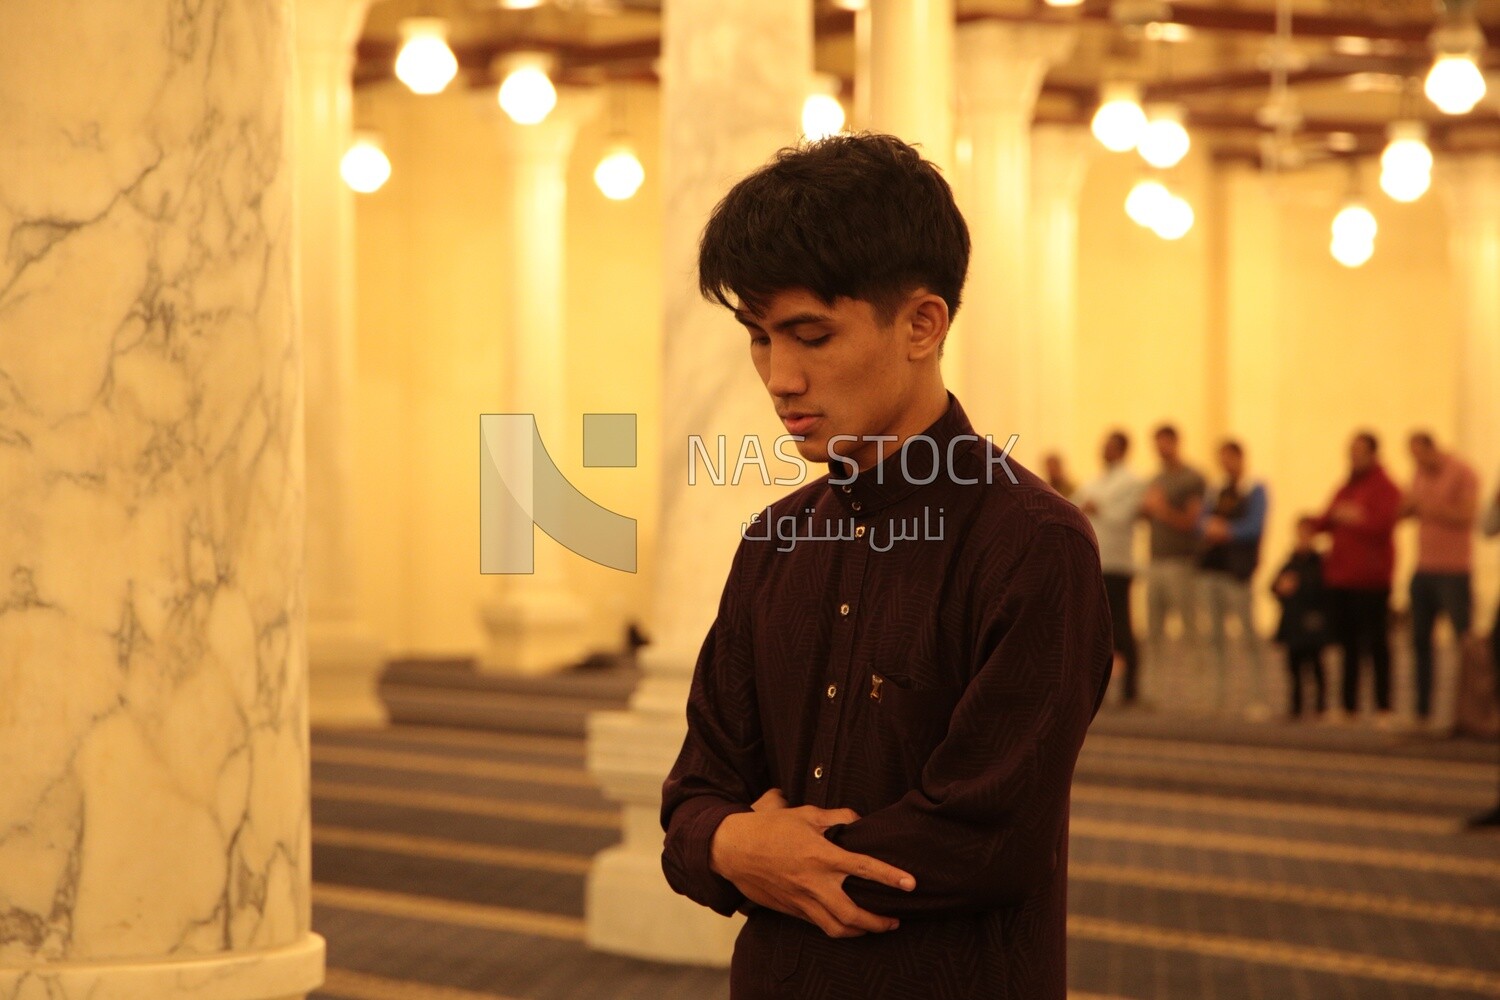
<point x="696" y="822"/>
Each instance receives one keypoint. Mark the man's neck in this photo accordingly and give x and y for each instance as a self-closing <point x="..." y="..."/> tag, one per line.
<point x="914" y="421"/>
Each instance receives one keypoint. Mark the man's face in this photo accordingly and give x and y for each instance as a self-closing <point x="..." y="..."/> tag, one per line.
<point x="1166" y="447"/>
<point x="1361" y="455"/>
<point x="1232" y="462"/>
<point x="837" y="369"/>
<point x="1114" y="449"/>
<point x="1424" y="453"/>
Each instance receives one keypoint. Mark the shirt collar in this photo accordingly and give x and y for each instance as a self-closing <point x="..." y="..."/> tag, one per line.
<point x="888" y="482"/>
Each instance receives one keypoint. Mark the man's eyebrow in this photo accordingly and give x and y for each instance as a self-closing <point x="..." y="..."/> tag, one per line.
<point x="799" y="319"/>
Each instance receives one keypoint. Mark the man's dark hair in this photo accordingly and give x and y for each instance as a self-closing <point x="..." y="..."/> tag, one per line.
<point x="1231" y="445"/>
<point x="1121" y="439"/>
<point x="860" y="216"/>
<point x="1166" y="431"/>
<point x="1371" y="441"/>
<point x="1423" y="438"/>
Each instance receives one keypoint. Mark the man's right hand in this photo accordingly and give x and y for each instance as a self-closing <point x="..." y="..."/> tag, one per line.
<point x="778" y="857"/>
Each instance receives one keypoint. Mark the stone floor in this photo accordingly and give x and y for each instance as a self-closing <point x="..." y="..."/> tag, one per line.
<point x="1211" y="858"/>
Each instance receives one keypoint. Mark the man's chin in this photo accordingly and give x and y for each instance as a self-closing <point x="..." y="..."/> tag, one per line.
<point x="814" y="450"/>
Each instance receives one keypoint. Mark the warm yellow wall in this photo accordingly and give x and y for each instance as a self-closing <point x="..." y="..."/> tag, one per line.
<point x="431" y="249"/>
<point x="1245" y="327"/>
<point x="1249" y="328"/>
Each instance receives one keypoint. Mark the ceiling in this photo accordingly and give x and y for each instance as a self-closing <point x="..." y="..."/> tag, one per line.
<point x="1350" y="67"/>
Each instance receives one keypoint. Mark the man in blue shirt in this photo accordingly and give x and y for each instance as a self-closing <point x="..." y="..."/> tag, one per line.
<point x="1231" y="525"/>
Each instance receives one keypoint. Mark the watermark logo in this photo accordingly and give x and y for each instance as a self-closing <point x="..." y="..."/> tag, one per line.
<point x="521" y="488"/>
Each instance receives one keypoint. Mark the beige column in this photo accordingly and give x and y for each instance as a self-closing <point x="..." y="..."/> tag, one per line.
<point x="344" y="657"/>
<point x="1000" y="71"/>
<point x="1060" y="156"/>
<point x="154" y="836"/>
<point x="734" y="74"/>
<point x="535" y="623"/>
<point x="910" y="73"/>
<point x="1470" y="187"/>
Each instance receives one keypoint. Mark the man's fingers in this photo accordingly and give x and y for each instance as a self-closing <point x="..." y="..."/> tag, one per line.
<point x="846" y="912"/>
<point x="815" y="913"/>
<point x="772" y="799"/>
<point x="825" y="818"/>
<point x="875" y="870"/>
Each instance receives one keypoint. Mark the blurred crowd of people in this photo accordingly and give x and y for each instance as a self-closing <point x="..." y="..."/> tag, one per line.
<point x="1205" y="547"/>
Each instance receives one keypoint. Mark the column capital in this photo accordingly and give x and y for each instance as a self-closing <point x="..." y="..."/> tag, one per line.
<point x="1000" y="64"/>
<point x="1060" y="156"/>
<point x="554" y="135"/>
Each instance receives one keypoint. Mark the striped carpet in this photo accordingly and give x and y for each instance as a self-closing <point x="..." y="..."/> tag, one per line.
<point x="1208" y="861"/>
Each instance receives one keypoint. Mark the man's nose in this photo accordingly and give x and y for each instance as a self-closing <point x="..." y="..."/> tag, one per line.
<point x="785" y="375"/>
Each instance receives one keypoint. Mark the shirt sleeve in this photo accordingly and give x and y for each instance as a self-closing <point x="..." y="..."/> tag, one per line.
<point x="1491" y="525"/>
<point x="721" y="768"/>
<point x="987" y="824"/>
<point x="1250" y="525"/>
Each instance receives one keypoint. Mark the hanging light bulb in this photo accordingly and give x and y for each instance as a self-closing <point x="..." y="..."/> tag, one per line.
<point x="1119" y="121"/>
<point x="1144" y="201"/>
<point x="1352" y="253"/>
<point x="526" y="91"/>
<point x="1164" y="142"/>
<point x="365" y="167"/>
<point x="425" y="63"/>
<point x="1354" y="224"/>
<point x="1455" y="84"/>
<point x="620" y="174"/>
<point x="1063" y="3"/>
<point x="822" y="114"/>
<point x="1174" y="217"/>
<point x="1406" y="163"/>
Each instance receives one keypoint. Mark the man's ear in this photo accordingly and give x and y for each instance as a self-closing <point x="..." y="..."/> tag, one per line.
<point x="928" y="325"/>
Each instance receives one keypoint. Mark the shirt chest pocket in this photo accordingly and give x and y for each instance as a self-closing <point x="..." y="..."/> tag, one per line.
<point x="908" y="719"/>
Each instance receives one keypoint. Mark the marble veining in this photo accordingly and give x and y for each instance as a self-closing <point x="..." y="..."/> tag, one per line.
<point x="153" y="758"/>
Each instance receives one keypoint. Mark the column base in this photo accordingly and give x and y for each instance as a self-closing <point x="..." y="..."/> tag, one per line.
<point x="288" y="973"/>
<point x="530" y="633"/>
<point x="632" y="911"/>
<point x="629" y="907"/>
<point x="344" y="663"/>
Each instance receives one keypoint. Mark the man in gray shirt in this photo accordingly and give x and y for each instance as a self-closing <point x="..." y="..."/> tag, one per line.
<point x="1173" y="503"/>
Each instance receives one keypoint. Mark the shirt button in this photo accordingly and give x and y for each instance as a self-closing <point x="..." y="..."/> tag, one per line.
<point x="844" y="610"/>
<point x="859" y="532"/>
<point x="818" y="772"/>
<point x="846" y="487"/>
<point x="832" y="690"/>
<point x="856" y="506"/>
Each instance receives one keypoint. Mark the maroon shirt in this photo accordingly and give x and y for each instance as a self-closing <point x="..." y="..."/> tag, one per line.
<point x="940" y="688"/>
<point x="1363" y="554"/>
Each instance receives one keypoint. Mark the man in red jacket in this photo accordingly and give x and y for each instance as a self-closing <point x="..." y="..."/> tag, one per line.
<point x="1362" y="521"/>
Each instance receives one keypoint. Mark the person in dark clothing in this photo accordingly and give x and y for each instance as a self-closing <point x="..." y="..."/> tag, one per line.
<point x="1304" y="616"/>
<point x="885" y="715"/>
<point x="1361" y="520"/>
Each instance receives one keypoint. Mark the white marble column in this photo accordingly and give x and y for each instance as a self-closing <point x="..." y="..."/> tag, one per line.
<point x="734" y="74"/>
<point x="910" y="73"/>
<point x="1470" y="187"/>
<point x="1000" y="71"/>
<point x="344" y="657"/>
<point x="535" y="623"/>
<point x="1060" y="156"/>
<point x="154" y="835"/>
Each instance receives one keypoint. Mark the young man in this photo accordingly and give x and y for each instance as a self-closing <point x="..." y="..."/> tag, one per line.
<point x="1173" y="504"/>
<point x="1232" y="522"/>
<point x="882" y="728"/>
<point x="1444" y="499"/>
<point x="1112" y="504"/>
<point x="1361" y="519"/>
